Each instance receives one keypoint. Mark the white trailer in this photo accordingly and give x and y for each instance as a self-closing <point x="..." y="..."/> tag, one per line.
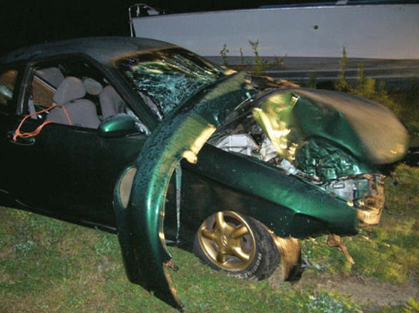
<point x="310" y="38"/>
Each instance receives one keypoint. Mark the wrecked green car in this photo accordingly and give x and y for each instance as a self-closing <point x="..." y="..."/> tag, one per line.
<point x="152" y="142"/>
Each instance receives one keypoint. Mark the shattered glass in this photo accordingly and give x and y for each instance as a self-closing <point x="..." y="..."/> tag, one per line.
<point x="168" y="77"/>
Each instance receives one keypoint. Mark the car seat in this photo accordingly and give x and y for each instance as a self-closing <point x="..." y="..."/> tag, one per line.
<point x="81" y="112"/>
<point x="110" y="102"/>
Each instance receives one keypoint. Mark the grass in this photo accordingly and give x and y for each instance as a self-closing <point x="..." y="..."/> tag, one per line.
<point x="257" y="66"/>
<point x="389" y="252"/>
<point x="51" y="266"/>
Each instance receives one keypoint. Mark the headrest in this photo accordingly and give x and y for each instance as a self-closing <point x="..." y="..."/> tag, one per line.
<point x="52" y="75"/>
<point x="92" y="86"/>
<point x="110" y="102"/>
<point x="70" y="89"/>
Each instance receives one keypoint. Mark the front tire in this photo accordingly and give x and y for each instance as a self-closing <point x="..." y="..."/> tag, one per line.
<point x="238" y="245"/>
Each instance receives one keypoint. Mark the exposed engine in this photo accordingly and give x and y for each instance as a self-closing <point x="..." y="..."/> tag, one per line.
<point x="332" y="140"/>
<point x="363" y="191"/>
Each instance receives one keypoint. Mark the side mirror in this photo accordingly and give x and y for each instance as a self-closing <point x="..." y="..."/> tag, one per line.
<point x="118" y="125"/>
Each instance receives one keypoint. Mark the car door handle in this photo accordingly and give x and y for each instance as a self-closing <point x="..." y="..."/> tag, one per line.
<point x="19" y="140"/>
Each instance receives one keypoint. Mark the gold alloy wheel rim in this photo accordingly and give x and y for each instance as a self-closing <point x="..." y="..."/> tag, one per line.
<point x="228" y="241"/>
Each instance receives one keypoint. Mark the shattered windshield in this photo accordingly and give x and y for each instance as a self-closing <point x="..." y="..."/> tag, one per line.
<point x="166" y="78"/>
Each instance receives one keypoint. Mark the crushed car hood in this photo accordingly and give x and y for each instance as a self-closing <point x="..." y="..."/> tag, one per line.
<point x="370" y="131"/>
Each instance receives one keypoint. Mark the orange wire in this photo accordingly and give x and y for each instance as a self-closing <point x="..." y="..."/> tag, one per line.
<point x="39" y="128"/>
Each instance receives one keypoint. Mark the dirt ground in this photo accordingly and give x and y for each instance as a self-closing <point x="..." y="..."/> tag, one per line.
<point x="364" y="290"/>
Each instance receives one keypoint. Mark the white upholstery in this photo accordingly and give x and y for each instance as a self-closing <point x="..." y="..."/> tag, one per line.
<point x="52" y="75"/>
<point x="71" y="88"/>
<point x="81" y="112"/>
<point x="92" y="86"/>
<point x="110" y="102"/>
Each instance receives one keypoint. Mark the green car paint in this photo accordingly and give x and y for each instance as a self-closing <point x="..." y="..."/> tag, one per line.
<point x="287" y="206"/>
<point x="291" y="206"/>
<point x="312" y="125"/>
<point x="126" y="176"/>
<point x="117" y="127"/>
<point x="181" y="134"/>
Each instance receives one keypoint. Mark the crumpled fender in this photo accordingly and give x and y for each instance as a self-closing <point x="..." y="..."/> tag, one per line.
<point x="181" y="135"/>
<point x="370" y="131"/>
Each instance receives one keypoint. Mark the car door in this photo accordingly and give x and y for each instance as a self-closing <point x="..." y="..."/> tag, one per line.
<point x="8" y="99"/>
<point x="68" y="171"/>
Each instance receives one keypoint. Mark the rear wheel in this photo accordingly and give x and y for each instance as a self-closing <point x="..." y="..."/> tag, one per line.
<point x="239" y="245"/>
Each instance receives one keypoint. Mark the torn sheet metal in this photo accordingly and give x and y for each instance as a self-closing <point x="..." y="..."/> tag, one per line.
<point x="238" y="143"/>
<point x="352" y="122"/>
<point x="181" y="135"/>
<point x="295" y="117"/>
<point x="331" y="139"/>
<point x="274" y="116"/>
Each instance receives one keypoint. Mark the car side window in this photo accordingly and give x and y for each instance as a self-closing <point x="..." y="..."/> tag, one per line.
<point x="73" y="93"/>
<point x="43" y="86"/>
<point x="58" y="97"/>
<point x="7" y="86"/>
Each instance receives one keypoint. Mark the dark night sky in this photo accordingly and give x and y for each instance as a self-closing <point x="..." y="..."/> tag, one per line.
<point x="27" y="22"/>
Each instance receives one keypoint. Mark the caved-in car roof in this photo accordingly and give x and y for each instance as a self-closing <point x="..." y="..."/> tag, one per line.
<point x="102" y="49"/>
